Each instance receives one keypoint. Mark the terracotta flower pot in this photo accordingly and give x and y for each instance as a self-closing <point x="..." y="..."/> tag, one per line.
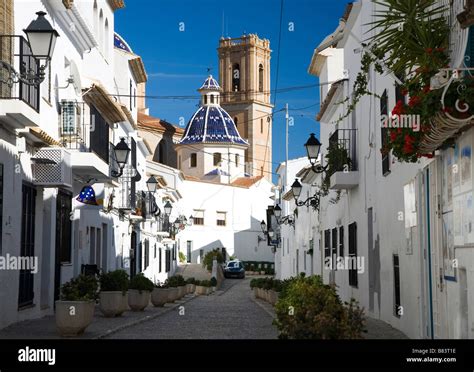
<point x="138" y="300"/>
<point x="190" y="288"/>
<point x="181" y="291"/>
<point x="73" y="317"/>
<point x="201" y="290"/>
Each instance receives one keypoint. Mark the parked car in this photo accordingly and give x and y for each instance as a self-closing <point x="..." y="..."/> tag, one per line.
<point x="234" y="269"/>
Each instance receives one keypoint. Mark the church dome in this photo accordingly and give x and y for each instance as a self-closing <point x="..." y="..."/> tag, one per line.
<point x="211" y="123"/>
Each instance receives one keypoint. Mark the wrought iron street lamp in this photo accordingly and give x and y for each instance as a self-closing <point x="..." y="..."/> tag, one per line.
<point x="151" y="184"/>
<point x="287" y="220"/>
<point x="313" y="147"/>
<point x="312" y="201"/>
<point x="168" y="207"/>
<point x="122" y="152"/>
<point x="42" y="40"/>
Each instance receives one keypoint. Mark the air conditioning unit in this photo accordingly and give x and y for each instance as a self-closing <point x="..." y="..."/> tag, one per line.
<point x="52" y="167"/>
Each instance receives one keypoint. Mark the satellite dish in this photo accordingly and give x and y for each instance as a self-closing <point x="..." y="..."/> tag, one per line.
<point x="76" y="78"/>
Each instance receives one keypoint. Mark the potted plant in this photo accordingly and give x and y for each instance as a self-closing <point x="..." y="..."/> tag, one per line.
<point x="173" y="293"/>
<point x="190" y="285"/>
<point x="181" y="283"/>
<point x="213" y="283"/>
<point x="160" y="295"/>
<point x="203" y="288"/>
<point x="113" y="292"/>
<point x="75" y="309"/>
<point x="139" y="292"/>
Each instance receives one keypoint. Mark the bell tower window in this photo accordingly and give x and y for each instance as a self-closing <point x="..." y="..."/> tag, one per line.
<point x="236" y="77"/>
<point x="260" y="78"/>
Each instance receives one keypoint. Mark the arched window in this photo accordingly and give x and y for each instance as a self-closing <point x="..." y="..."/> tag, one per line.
<point x="237" y="160"/>
<point x="205" y="99"/>
<point x="96" y="18"/>
<point x="260" y="77"/>
<point x="236" y="77"/>
<point x="212" y="98"/>
<point x="261" y="125"/>
<point x="101" y="30"/>
<point x="106" y="39"/>
<point x="217" y="158"/>
<point x="236" y="120"/>
<point x="162" y="152"/>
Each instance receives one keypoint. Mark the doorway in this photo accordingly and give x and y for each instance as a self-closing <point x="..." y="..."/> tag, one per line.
<point x="133" y="253"/>
<point x="63" y="236"/>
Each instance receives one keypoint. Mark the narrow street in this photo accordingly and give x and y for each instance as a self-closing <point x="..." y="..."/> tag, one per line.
<point x="230" y="313"/>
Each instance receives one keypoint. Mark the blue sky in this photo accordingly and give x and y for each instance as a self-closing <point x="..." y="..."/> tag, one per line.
<point x="177" y="61"/>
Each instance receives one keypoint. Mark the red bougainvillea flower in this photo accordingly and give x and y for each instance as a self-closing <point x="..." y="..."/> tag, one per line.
<point x="407" y="148"/>
<point x="414" y="100"/>
<point x="409" y="139"/>
<point x="426" y="89"/>
<point x="393" y="136"/>
<point x="398" y="109"/>
<point x="404" y="91"/>
<point x="429" y="50"/>
<point x="429" y="156"/>
<point x="399" y="131"/>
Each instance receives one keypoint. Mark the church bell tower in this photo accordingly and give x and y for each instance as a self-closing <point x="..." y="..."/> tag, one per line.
<point x="244" y="75"/>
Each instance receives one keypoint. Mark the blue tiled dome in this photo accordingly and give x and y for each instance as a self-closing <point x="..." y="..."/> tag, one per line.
<point x="211" y="123"/>
<point x="211" y="84"/>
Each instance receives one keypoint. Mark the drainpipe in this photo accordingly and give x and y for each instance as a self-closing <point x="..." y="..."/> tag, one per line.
<point x="428" y="241"/>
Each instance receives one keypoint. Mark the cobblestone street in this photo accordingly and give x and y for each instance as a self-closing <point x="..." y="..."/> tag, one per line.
<point x="230" y="313"/>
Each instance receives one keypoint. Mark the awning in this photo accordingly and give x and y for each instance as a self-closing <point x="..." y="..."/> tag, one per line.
<point x="98" y="96"/>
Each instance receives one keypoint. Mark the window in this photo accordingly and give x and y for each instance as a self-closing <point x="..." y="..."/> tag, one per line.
<point x="334" y="248"/>
<point x="101" y="30"/>
<point x="64" y="225"/>
<point x="396" y="285"/>
<point x="159" y="260"/>
<point x="327" y="239"/>
<point x="261" y="170"/>
<point x="260" y="78"/>
<point x="236" y="77"/>
<point x="261" y="125"/>
<point x="193" y="160"/>
<point x="189" y="250"/>
<point x="384" y="134"/>
<point x="205" y="99"/>
<point x="147" y="254"/>
<point x="69" y="111"/>
<point x="168" y="260"/>
<point x="353" y="254"/>
<point x="221" y="218"/>
<point x="131" y="96"/>
<point x="236" y="120"/>
<point x="212" y="98"/>
<point x="236" y="160"/>
<point x="217" y="158"/>
<point x="1" y="205"/>
<point x="341" y="241"/>
<point x="198" y="217"/>
<point x="162" y="152"/>
<point x="106" y="39"/>
<point x="154" y="255"/>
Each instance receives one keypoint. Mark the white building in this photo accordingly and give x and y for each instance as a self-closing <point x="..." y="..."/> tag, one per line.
<point x="408" y="223"/>
<point x="63" y="199"/>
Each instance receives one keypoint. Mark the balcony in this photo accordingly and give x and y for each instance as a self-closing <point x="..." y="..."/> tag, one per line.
<point x="344" y="172"/>
<point x="87" y="138"/>
<point x="19" y="106"/>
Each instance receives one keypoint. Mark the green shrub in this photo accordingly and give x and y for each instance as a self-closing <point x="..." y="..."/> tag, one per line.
<point x="318" y="311"/>
<point x="205" y="283"/>
<point x="213" y="282"/>
<point x="82" y="288"/>
<point x="210" y="256"/>
<point x="190" y="281"/>
<point x="116" y="280"/>
<point x="141" y="283"/>
<point x="175" y="281"/>
<point x="197" y="282"/>
<point x="182" y="257"/>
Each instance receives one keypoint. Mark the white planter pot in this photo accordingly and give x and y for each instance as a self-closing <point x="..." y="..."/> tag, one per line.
<point x="159" y="296"/>
<point x="138" y="301"/>
<point x="181" y="291"/>
<point x="111" y="303"/>
<point x="190" y="288"/>
<point x="214" y="289"/>
<point x="273" y="296"/>
<point x="73" y="317"/>
<point x="173" y="294"/>
<point x="201" y="290"/>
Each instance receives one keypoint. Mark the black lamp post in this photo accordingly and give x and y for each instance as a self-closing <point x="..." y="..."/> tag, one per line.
<point x="312" y="201"/>
<point x="168" y="207"/>
<point x="287" y="220"/>
<point x="313" y="147"/>
<point x="42" y="40"/>
<point x="122" y="151"/>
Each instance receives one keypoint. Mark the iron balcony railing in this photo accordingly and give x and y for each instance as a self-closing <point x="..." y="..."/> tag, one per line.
<point x="346" y="139"/>
<point x="85" y="131"/>
<point x="16" y="51"/>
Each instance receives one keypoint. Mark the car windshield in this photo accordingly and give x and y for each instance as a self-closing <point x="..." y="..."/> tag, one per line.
<point x="232" y="264"/>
